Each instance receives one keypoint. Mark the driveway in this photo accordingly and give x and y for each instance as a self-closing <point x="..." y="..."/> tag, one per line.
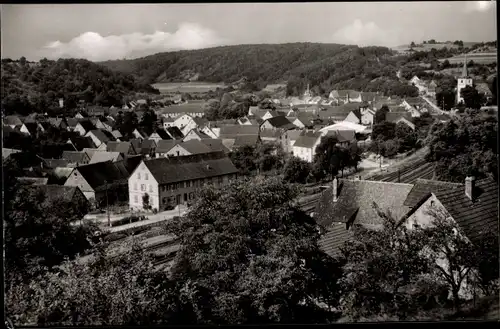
<point x="151" y="219"/>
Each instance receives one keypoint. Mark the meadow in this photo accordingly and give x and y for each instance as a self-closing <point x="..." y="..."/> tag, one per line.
<point x="480" y="58"/>
<point x="187" y="87"/>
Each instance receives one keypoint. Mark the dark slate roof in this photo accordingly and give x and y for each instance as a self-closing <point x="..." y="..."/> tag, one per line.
<point x="103" y="135"/>
<point x="12" y="120"/>
<point x="59" y="192"/>
<point x="334" y="238"/>
<point x="162" y="133"/>
<point x="75" y="157"/>
<point x="87" y="125"/>
<point x="343" y="135"/>
<point x="178" y="169"/>
<point x="132" y="162"/>
<point x="32" y="127"/>
<point x="6" y="152"/>
<point x="355" y="201"/>
<point x="200" y="121"/>
<point x="199" y="133"/>
<point x="270" y="133"/>
<point x="164" y="146"/>
<point x="175" y="132"/>
<point x="423" y="187"/>
<point x="307" y="139"/>
<point x="96" y="173"/>
<point x="33" y="180"/>
<point x="280" y="122"/>
<point x="476" y="217"/>
<point x="53" y="163"/>
<point x="231" y="131"/>
<point x="72" y="122"/>
<point x="195" y="146"/>
<point x="103" y="156"/>
<point x="120" y="147"/>
<point x="245" y="140"/>
<point x="394" y="116"/>
<point x="215" y="145"/>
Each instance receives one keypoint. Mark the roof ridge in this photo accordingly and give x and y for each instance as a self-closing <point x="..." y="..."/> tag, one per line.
<point x="374" y="181"/>
<point x="423" y="180"/>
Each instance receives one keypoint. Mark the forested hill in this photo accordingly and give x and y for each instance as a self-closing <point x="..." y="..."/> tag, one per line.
<point x="33" y="87"/>
<point x="324" y="66"/>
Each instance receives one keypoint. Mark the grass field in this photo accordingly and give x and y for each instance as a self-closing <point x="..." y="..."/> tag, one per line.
<point x="481" y="58"/>
<point x="187" y="87"/>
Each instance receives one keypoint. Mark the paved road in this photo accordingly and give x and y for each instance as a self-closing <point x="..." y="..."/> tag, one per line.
<point x="151" y="219"/>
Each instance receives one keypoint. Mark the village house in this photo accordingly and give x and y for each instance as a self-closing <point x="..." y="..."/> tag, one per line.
<point x="239" y="141"/>
<point x="84" y="126"/>
<point x="193" y="110"/>
<point x="12" y="121"/>
<point x="367" y="116"/>
<point x="59" y="123"/>
<point x="98" y="179"/>
<point x="345" y="96"/>
<point x="104" y="156"/>
<point x="116" y="134"/>
<point x="30" y="128"/>
<point x="305" y="145"/>
<point x="144" y="147"/>
<point x="140" y="133"/>
<point x="60" y="193"/>
<point x="53" y="163"/>
<point x="159" y="134"/>
<point x="75" y="158"/>
<point x="124" y="148"/>
<point x="173" y="181"/>
<point x="399" y="117"/>
<point x="175" y="133"/>
<point x="195" y="134"/>
<point x="100" y="137"/>
<point x="167" y="122"/>
<point x="272" y="114"/>
<point x="72" y="123"/>
<point x="191" y="147"/>
<point x="79" y="142"/>
<point x="354" y="116"/>
<point x="349" y="203"/>
<point x="302" y="121"/>
<point x="164" y="146"/>
<point x="278" y="122"/>
<point x="246" y="120"/>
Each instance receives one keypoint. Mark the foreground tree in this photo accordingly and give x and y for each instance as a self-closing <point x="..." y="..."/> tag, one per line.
<point x="471" y="96"/>
<point x="328" y="158"/>
<point x="464" y="146"/>
<point x="106" y="290"/>
<point x="381" y="268"/>
<point x="249" y="256"/>
<point x="296" y="170"/>
<point x="148" y="121"/>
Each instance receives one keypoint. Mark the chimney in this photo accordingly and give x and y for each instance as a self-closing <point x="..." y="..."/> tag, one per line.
<point x="469" y="187"/>
<point x="335" y="191"/>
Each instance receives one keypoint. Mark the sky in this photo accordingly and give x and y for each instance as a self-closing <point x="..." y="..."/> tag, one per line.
<point x="115" y="31"/>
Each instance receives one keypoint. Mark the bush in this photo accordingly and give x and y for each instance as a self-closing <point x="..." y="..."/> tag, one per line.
<point x="127" y="220"/>
<point x="391" y="147"/>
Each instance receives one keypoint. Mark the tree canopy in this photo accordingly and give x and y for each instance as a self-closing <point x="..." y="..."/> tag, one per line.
<point x="252" y="256"/>
<point x="464" y="146"/>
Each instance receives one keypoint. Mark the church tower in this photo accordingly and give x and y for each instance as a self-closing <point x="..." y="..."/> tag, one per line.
<point x="463" y="81"/>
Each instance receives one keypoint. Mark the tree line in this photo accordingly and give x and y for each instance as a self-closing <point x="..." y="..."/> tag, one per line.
<point x="35" y="87"/>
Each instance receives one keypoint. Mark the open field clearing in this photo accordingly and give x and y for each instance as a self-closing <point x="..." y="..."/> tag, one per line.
<point x="187" y="87"/>
<point x="481" y="58"/>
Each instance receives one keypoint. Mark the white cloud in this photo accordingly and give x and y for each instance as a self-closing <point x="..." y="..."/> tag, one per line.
<point x="368" y="34"/>
<point x="93" y="46"/>
<point x="479" y="6"/>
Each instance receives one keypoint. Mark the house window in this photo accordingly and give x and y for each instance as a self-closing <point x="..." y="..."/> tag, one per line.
<point x="135" y="186"/>
<point x="191" y="196"/>
<point x="143" y="187"/>
<point x="164" y="200"/>
<point x="151" y="188"/>
<point x="146" y="176"/>
<point x="136" y="199"/>
<point x="432" y="203"/>
<point x="188" y="183"/>
<point x="138" y="175"/>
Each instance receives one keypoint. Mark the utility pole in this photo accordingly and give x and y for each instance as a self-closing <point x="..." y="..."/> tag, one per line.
<point x="107" y="203"/>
